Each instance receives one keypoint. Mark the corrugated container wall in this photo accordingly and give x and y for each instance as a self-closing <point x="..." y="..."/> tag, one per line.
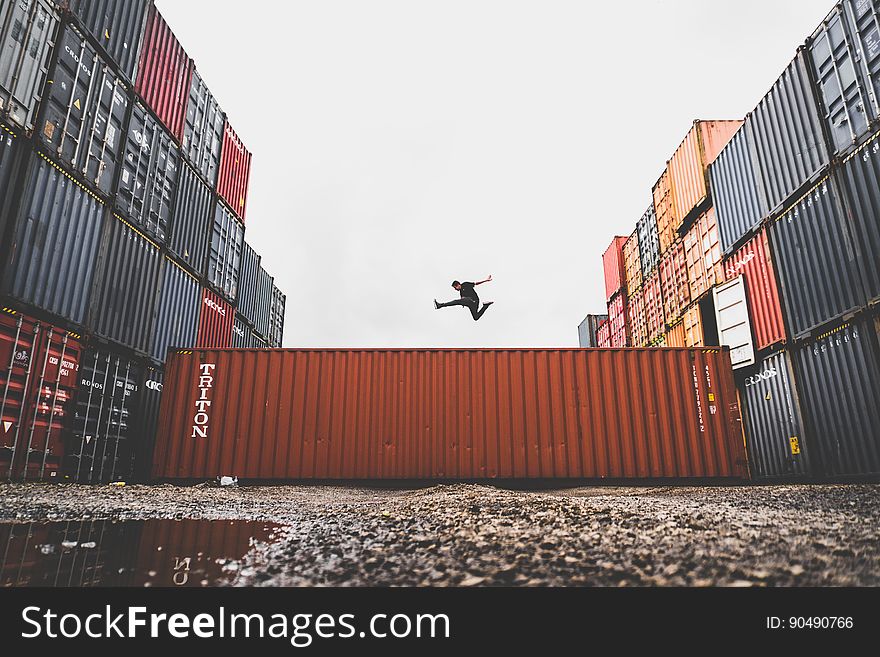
<point x="603" y="335"/>
<point x="243" y="336"/>
<point x="702" y="252"/>
<point x="248" y="281"/>
<point x="632" y="263"/>
<point x="262" y="313"/>
<point x="11" y="169"/>
<point x="649" y="243"/>
<point x="27" y="38"/>
<point x="151" y="397"/>
<point x="178" y="312"/>
<point x="150" y="168"/>
<point x="612" y="263"/>
<point x="664" y="207"/>
<point x="618" y="319"/>
<point x="774" y="426"/>
<point x="276" y="318"/>
<point x="84" y="111"/>
<point x="654" y="419"/>
<point x="164" y="74"/>
<point x="675" y="336"/>
<point x="787" y="133"/>
<point x="693" y="327"/>
<point x="54" y="247"/>
<point x="753" y="261"/>
<point x="865" y="19"/>
<point x="38" y="364"/>
<point x="235" y="172"/>
<point x="654" y="313"/>
<point x="125" y="295"/>
<point x="203" y="132"/>
<point x="191" y="221"/>
<point x="860" y="178"/>
<point x="687" y="168"/>
<point x="588" y="330"/>
<point x="738" y="199"/>
<point x="840" y="381"/>
<point x="816" y="261"/>
<point x="215" y="322"/>
<point x="843" y="94"/>
<point x="224" y="258"/>
<point x="118" y="25"/>
<point x="638" y="322"/>
<point x="674" y="283"/>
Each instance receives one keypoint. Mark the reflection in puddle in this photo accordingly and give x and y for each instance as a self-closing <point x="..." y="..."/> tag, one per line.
<point x="165" y="553"/>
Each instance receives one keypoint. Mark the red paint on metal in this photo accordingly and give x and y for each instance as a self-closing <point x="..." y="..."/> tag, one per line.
<point x="674" y="283"/>
<point x="215" y="322"/>
<point x="235" y="172"/>
<point x="450" y="414"/>
<point x="612" y="263"/>
<point x="603" y="334"/>
<point x="754" y="261"/>
<point x="164" y="74"/>
<point x="618" y="320"/>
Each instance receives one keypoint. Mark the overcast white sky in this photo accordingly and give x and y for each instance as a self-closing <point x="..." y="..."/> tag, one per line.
<point x="400" y="144"/>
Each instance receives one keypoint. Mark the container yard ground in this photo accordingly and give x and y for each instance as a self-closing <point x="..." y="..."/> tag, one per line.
<point x="466" y="535"/>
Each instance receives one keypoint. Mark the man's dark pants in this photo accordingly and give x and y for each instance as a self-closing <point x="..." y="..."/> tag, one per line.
<point x="470" y="304"/>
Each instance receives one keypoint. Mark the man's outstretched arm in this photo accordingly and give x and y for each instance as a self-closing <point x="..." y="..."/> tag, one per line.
<point x="488" y="280"/>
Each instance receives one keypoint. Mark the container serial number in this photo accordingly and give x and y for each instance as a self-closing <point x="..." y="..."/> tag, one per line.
<point x="810" y="623"/>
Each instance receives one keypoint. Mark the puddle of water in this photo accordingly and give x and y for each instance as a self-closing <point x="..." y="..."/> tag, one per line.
<point x="167" y="553"/>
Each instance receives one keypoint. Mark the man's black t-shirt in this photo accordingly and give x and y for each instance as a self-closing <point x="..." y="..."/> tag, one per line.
<point x="468" y="292"/>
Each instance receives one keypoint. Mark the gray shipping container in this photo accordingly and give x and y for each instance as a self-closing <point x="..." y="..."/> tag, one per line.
<point x="254" y="292"/>
<point x="148" y="417"/>
<point x="84" y="111"/>
<point x="148" y="180"/>
<point x="191" y="221"/>
<point x="276" y="319"/>
<point x="122" y="307"/>
<point x="787" y="133"/>
<point x="863" y="20"/>
<point x="178" y="312"/>
<point x="860" y="179"/>
<point x="224" y="259"/>
<point x="739" y="200"/>
<point x="815" y="261"/>
<point x="118" y="25"/>
<point x="774" y="425"/>
<point x="54" y="247"/>
<point x="587" y="330"/>
<point x="843" y="93"/>
<point x="649" y="242"/>
<point x="839" y="375"/>
<point x="203" y="130"/>
<point x="263" y="303"/>
<point x="27" y="37"/>
<point x="10" y="170"/>
<point x="243" y="336"/>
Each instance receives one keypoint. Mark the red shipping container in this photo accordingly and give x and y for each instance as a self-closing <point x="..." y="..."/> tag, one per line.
<point x="38" y="378"/>
<point x="702" y="252"/>
<point x="674" y="283"/>
<point x="638" y="323"/>
<point x="282" y="414"/>
<point x="215" y="322"/>
<point x="754" y="262"/>
<point x="612" y="263"/>
<point x="603" y="334"/>
<point x="164" y="74"/>
<point x="654" y="314"/>
<point x="618" y="321"/>
<point x="235" y="172"/>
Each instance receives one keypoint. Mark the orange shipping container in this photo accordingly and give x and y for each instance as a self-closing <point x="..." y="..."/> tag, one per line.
<point x="688" y="166"/>
<point x="638" y="321"/>
<point x="632" y="262"/>
<point x="693" y="327"/>
<point x="675" y="336"/>
<point x="702" y="252"/>
<point x="655" y="318"/>
<point x="674" y="283"/>
<point x="281" y="414"/>
<point x="664" y="206"/>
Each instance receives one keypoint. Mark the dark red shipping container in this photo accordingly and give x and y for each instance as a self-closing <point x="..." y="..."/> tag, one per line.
<point x="164" y="74"/>
<point x="603" y="334"/>
<point x="215" y="322"/>
<point x="450" y="414"/>
<point x="754" y="262"/>
<point x="618" y="319"/>
<point x="612" y="263"/>
<point x="235" y="172"/>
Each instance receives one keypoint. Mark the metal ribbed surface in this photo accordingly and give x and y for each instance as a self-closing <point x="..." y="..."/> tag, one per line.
<point x="243" y="337"/>
<point x="693" y="327"/>
<point x="839" y="375"/>
<point x="786" y="130"/>
<point x="178" y="313"/>
<point x="772" y="418"/>
<point x="618" y="319"/>
<point x="148" y="180"/>
<point x="267" y="295"/>
<point x="164" y="74"/>
<point x="118" y="25"/>
<point x="632" y="263"/>
<point x="203" y="132"/>
<point x="148" y="417"/>
<point x="450" y="414"/>
<point x="603" y="335"/>
<point x="191" y="221"/>
<point x="863" y="18"/>
<point x="664" y="206"/>
<point x="612" y="264"/>
<point x="215" y="322"/>
<point x="675" y="336"/>
<point x="816" y="261"/>
<point x="674" y="283"/>
<point x="754" y="262"/>
<point x="10" y="174"/>
<point x="736" y="194"/>
<point x="275" y="338"/>
<point x="125" y="297"/>
<point x="638" y="321"/>
<point x="702" y="253"/>
<point x="649" y="243"/>
<point x="84" y="111"/>
<point x="248" y="281"/>
<point x="224" y="258"/>
<point x="860" y="179"/>
<point x="588" y="330"/>
<point x="655" y="316"/>
<point x="27" y="38"/>
<point x="55" y="244"/>
<point x="235" y="172"/>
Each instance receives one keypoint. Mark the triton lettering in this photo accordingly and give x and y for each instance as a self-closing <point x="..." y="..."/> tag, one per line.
<point x="203" y="404"/>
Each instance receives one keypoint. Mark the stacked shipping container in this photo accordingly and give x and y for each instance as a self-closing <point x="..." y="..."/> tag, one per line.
<point x="122" y="196"/>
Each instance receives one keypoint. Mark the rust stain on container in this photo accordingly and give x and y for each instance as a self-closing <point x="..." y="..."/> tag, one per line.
<point x="632" y="262"/>
<point x="450" y="414"/>
<point x="702" y="250"/>
<point x="664" y="205"/>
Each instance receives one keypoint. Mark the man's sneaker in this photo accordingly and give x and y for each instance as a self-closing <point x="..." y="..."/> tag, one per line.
<point x="487" y="303"/>
<point x="436" y="305"/>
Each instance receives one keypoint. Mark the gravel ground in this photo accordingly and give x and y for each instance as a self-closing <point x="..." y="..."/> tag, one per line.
<point x="472" y="535"/>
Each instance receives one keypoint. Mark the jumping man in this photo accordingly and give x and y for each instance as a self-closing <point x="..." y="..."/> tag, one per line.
<point x="469" y="298"/>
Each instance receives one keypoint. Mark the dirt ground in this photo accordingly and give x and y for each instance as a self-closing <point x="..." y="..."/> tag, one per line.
<point x="478" y="535"/>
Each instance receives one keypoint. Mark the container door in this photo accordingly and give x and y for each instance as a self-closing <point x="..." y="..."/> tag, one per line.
<point x="732" y="317"/>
